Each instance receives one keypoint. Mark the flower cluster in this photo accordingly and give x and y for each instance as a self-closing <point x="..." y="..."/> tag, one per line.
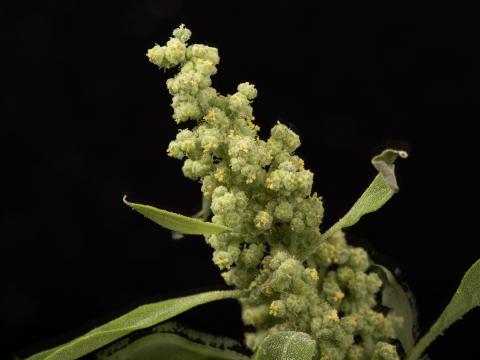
<point x="262" y="191"/>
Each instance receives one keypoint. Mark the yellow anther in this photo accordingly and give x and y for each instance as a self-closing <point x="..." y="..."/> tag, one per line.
<point x="314" y="275"/>
<point x="338" y="295"/>
<point x="243" y="147"/>
<point x="274" y="308"/>
<point x="251" y="178"/>
<point x="334" y="316"/>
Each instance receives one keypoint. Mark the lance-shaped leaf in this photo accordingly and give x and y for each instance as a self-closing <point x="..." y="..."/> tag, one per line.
<point x="202" y="215"/>
<point x="396" y="298"/>
<point x="140" y="318"/>
<point x="382" y="188"/>
<point x="287" y="345"/>
<point x="465" y="299"/>
<point x="172" y="347"/>
<point x="176" y="222"/>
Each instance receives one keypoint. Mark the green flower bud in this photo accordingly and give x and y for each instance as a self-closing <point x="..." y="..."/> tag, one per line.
<point x="205" y="52"/>
<point x="248" y="90"/>
<point x="222" y="259"/>
<point x="256" y="315"/>
<point x="344" y="275"/>
<point x="287" y="272"/>
<point x="252" y="255"/>
<point x="358" y="259"/>
<point x="194" y="169"/>
<point x="156" y="55"/>
<point x="349" y="323"/>
<point x="223" y="204"/>
<point x="357" y="286"/>
<point x="331" y="352"/>
<point x="295" y="304"/>
<point x="211" y="139"/>
<point x="205" y="67"/>
<point x="356" y="352"/>
<point x="286" y="137"/>
<point x="174" y="150"/>
<point x="241" y="200"/>
<point x="233" y="219"/>
<point x="220" y="191"/>
<point x="239" y="104"/>
<point x="373" y="283"/>
<point x="385" y="351"/>
<point x="278" y="260"/>
<point x="205" y="98"/>
<point x="284" y="212"/>
<point x="175" y="51"/>
<point x="297" y="225"/>
<point x="263" y="220"/>
<point x="277" y="308"/>
<point x="182" y="33"/>
<point x="187" y="111"/>
<point x="208" y="185"/>
<point x="331" y="290"/>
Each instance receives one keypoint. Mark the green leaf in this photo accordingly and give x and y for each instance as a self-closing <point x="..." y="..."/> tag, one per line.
<point x="385" y="164"/>
<point x="465" y="299"/>
<point x="177" y="222"/>
<point x="287" y="345"/>
<point x="140" y="318"/>
<point x="395" y="298"/>
<point x="172" y="347"/>
<point x="377" y="194"/>
<point x="202" y="214"/>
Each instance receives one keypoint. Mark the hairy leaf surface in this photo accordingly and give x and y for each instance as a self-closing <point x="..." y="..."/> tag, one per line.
<point x="176" y="222"/>
<point x="140" y="318"/>
<point x="382" y="188"/>
<point x="465" y="299"/>
<point x="287" y="345"/>
<point x="172" y="347"/>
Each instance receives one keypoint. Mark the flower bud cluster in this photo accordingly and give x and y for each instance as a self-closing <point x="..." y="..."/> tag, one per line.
<point x="262" y="191"/>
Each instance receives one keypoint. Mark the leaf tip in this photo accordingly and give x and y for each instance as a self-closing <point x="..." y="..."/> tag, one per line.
<point x="384" y="163"/>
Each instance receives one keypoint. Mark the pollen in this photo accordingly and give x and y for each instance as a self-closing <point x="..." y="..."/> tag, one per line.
<point x="338" y="295"/>
<point x="243" y="147"/>
<point x="269" y="184"/>
<point x="274" y="308"/>
<point x="313" y="274"/>
<point x="334" y="316"/>
<point x="251" y="178"/>
<point x="209" y="146"/>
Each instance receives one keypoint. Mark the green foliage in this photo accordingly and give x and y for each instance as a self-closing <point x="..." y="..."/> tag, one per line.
<point x="177" y="222"/>
<point x="382" y="188"/>
<point x="140" y="318"/>
<point x="395" y="298"/>
<point x="305" y="294"/>
<point x="465" y="299"/>
<point x="287" y="345"/>
<point x="163" y="346"/>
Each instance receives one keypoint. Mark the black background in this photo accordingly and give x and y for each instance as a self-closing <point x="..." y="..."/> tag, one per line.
<point x="85" y="119"/>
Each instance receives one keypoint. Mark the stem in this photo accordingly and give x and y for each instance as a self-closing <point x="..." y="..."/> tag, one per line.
<point x="426" y="340"/>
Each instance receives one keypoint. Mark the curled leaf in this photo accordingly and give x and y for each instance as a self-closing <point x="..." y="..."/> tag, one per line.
<point x="140" y="318"/>
<point x="395" y="298"/>
<point x="465" y="299"/>
<point x="287" y="345"/>
<point x="373" y="198"/>
<point x="385" y="164"/>
<point x="176" y="222"/>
